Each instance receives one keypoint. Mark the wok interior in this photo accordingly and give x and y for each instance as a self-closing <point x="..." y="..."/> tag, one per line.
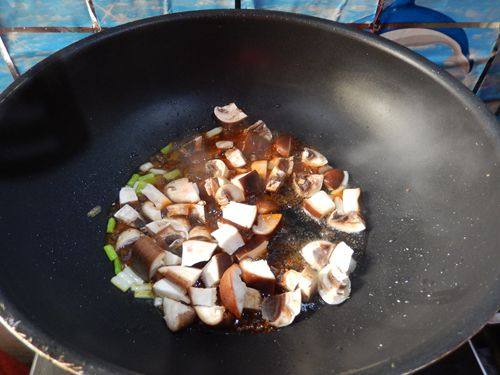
<point x="76" y="130"/>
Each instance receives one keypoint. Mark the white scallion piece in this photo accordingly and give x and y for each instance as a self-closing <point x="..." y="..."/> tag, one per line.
<point x="146" y="167"/>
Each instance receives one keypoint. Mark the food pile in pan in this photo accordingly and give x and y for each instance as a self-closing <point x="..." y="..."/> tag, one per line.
<point x="194" y="227"/>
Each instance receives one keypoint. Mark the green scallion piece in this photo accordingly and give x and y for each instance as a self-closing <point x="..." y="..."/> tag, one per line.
<point x="118" y="265"/>
<point x="148" y="178"/>
<point x="133" y="180"/>
<point x="140" y="186"/>
<point x="110" y="252"/>
<point x="166" y="150"/>
<point x="144" y="294"/>
<point x="110" y="228"/>
<point x="172" y="175"/>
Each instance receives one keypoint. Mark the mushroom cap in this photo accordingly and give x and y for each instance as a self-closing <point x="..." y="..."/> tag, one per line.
<point x="305" y="185"/>
<point x="233" y="290"/>
<point x="260" y="166"/>
<point x="334" y="287"/>
<point x="227" y="193"/>
<point x="317" y="253"/>
<point x="266" y="224"/>
<point x="253" y="300"/>
<point x="313" y="158"/>
<point x="195" y="251"/>
<point x="182" y="191"/>
<point x="283" y="145"/>
<point x="128" y="237"/>
<point x="146" y="258"/>
<point x="350" y="223"/>
<point x="281" y="309"/>
<point x="215" y="268"/>
<point x="275" y="179"/>
<point x="266" y="205"/>
<point x="177" y="315"/>
<point x="258" y="275"/>
<point x="332" y="178"/>
<point x="216" y="168"/>
<point x="249" y="182"/>
<point x="229" y="114"/>
<point x="254" y="249"/>
<point x="210" y="315"/>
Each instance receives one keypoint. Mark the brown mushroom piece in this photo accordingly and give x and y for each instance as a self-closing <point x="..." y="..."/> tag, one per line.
<point x="235" y="158"/>
<point x="210" y="315"/>
<point x="266" y="205"/>
<point x="182" y="191"/>
<point x="228" y="238"/>
<point x="317" y="253"/>
<point x="313" y="158"/>
<point x="283" y="167"/>
<point x="249" y="182"/>
<point x="177" y="315"/>
<point x="128" y="237"/>
<point x="233" y="290"/>
<point x="253" y="300"/>
<point x="283" y="145"/>
<point x="178" y="209"/>
<point x="258" y="275"/>
<point x="266" y="224"/>
<point x="215" y="268"/>
<point x="180" y="275"/>
<point x="256" y="248"/>
<point x="195" y="251"/>
<point x="280" y="310"/>
<point x="229" y="114"/>
<point x="216" y="168"/>
<point x="257" y="140"/>
<point x="200" y="232"/>
<point x="335" y="180"/>
<point x="166" y="288"/>
<point x="260" y="166"/>
<point x="168" y="236"/>
<point x="146" y="258"/>
<point x="289" y="280"/>
<point x="347" y="223"/>
<point x="227" y="193"/>
<point x="334" y="286"/>
<point x="305" y="185"/>
<point x="318" y="205"/>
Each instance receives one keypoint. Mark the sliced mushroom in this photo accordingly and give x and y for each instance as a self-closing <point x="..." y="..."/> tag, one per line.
<point x="235" y="158"/>
<point x="257" y="140"/>
<point x="249" y="182"/>
<point x="179" y="209"/>
<point x="216" y="168"/>
<point x="229" y="114"/>
<point x="308" y="283"/>
<point x="177" y="315"/>
<point x="318" y="205"/>
<point x="317" y="253"/>
<point x="283" y="145"/>
<point x="290" y="280"/>
<point x="334" y="287"/>
<point x="313" y="158"/>
<point x="169" y="236"/>
<point x="286" y="165"/>
<point x="215" y="268"/>
<point x="214" y="132"/>
<point x="240" y="214"/>
<point x="197" y="212"/>
<point x="182" y="191"/>
<point x="127" y="195"/>
<point x="335" y="179"/>
<point x="260" y="166"/>
<point x="180" y="275"/>
<point x="228" y="238"/>
<point x="171" y="259"/>
<point x="210" y="315"/>
<point x="194" y="251"/>
<point x="253" y="300"/>
<point x="128" y="237"/>
<point x="200" y="232"/>
<point x="275" y="180"/>
<point x="281" y="309"/>
<point x="266" y="205"/>
<point x="150" y="211"/>
<point x="350" y="199"/>
<point x="156" y="196"/>
<point x="341" y="257"/>
<point x="129" y="216"/>
<point x="224" y="145"/>
<point x="146" y="258"/>
<point x="258" y="275"/>
<point x="233" y="290"/>
<point x="350" y="223"/>
<point x="166" y="288"/>
<point x="227" y="193"/>
<point x="323" y="169"/>
<point x="178" y="224"/>
<point x="266" y="224"/>
<point x="256" y="248"/>
<point x="203" y="296"/>
<point x="305" y="185"/>
<point x="211" y="186"/>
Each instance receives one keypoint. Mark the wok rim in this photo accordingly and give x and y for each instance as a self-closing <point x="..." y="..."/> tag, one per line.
<point x="77" y="362"/>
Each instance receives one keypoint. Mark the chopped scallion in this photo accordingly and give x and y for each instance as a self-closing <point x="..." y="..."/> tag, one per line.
<point x="172" y="175"/>
<point x="110" y="252"/>
<point x="149" y="178"/>
<point x="118" y="265"/>
<point x="140" y="186"/>
<point x="166" y="150"/>
<point x="144" y="294"/>
<point x="110" y="228"/>
<point x="133" y="180"/>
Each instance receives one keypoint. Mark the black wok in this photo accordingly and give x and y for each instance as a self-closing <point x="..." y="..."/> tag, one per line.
<point x="423" y="148"/>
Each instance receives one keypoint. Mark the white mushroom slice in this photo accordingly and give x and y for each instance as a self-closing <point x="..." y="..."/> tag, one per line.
<point x="331" y="289"/>
<point x="318" y="205"/>
<point x="156" y="196"/>
<point x="280" y="310"/>
<point x="305" y="185"/>
<point x="211" y="186"/>
<point x="275" y="179"/>
<point x="200" y="232"/>
<point x="214" y="132"/>
<point x="166" y="288"/>
<point x="240" y="214"/>
<point x="181" y="275"/>
<point x="308" y="283"/>
<point x="210" y="315"/>
<point x="350" y="223"/>
<point x="266" y="224"/>
<point x="313" y="158"/>
<point x="224" y="145"/>
<point x="290" y="280"/>
<point x="261" y="129"/>
<point x="146" y="167"/>
<point x="203" y="296"/>
<point x="182" y="191"/>
<point x="260" y="166"/>
<point x="229" y="114"/>
<point x="350" y="199"/>
<point x="235" y="158"/>
<point x="341" y="257"/>
<point x="178" y="224"/>
<point x="249" y="182"/>
<point x="127" y="195"/>
<point x="253" y="300"/>
<point x="233" y="290"/>
<point x="194" y="251"/>
<point x="198" y="212"/>
<point x="258" y="275"/>
<point x="150" y="211"/>
<point x="214" y="269"/>
<point x="129" y="216"/>
<point x="177" y="315"/>
<point x="216" y="168"/>
<point x="228" y="238"/>
<point x="170" y="259"/>
<point x="179" y="209"/>
<point x="227" y="193"/>
<point x="317" y="253"/>
<point x="128" y="237"/>
<point x="256" y="248"/>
